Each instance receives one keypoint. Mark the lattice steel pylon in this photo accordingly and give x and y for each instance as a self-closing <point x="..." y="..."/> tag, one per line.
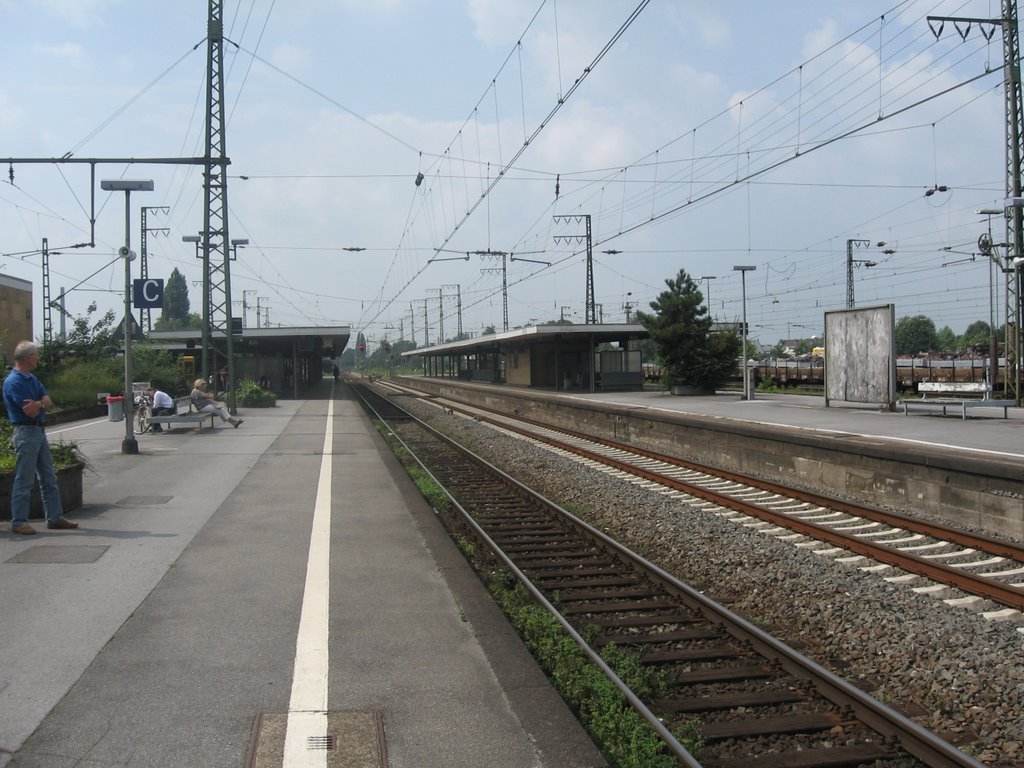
<point x="1015" y="214"/>
<point x="217" y="325"/>
<point x="145" y="316"/>
<point x="1014" y="154"/>
<point x="47" y="310"/>
<point x="591" y="307"/>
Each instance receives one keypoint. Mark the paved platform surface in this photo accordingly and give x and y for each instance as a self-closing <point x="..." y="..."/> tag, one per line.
<point x="164" y="631"/>
<point x="984" y="431"/>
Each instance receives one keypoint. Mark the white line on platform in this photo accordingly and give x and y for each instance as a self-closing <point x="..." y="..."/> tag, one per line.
<point x="307" y="710"/>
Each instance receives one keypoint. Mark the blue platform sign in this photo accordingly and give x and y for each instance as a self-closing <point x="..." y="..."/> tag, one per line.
<point x="148" y="294"/>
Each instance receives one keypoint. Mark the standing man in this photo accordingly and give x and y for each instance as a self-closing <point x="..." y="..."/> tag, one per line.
<point x="27" y="401"/>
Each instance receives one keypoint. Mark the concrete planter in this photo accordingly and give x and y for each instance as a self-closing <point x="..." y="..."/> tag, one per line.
<point x="69" y="481"/>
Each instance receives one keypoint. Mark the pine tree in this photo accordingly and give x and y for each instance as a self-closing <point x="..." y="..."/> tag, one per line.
<point x="680" y="327"/>
<point x="175" y="313"/>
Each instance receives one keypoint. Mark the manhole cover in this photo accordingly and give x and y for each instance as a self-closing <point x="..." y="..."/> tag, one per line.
<point x="353" y="739"/>
<point x="61" y="553"/>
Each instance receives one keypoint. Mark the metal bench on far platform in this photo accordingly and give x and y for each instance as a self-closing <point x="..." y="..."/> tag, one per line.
<point x="955" y="394"/>
<point x="183" y="414"/>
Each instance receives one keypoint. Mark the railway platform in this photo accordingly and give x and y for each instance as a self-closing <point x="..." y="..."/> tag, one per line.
<point x="986" y="431"/>
<point x="277" y="594"/>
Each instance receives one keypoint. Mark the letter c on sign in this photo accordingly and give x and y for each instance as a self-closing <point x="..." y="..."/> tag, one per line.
<point x="148" y="294"/>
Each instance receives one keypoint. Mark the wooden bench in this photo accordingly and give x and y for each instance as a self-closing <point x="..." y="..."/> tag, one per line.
<point x="952" y="394"/>
<point x="184" y="413"/>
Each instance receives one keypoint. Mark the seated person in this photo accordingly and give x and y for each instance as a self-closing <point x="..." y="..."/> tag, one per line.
<point x="162" y="406"/>
<point x="205" y="403"/>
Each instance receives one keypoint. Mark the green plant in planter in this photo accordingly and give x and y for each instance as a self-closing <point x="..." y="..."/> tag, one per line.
<point x="249" y="394"/>
<point x="65" y="453"/>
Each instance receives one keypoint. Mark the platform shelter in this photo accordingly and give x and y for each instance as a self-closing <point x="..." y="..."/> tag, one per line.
<point x="287" y="360"/>
<point x="588" y="358"/>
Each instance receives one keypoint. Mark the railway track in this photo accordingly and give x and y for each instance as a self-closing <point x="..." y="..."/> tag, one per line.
<point x="879" y="541"/>
<point x="758" y="702"/>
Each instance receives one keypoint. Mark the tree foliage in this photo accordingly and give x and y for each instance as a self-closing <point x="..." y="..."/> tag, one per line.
<point x="915" y="334"/>
<point x="977" y="334"/>
<point x="691" y="353"/>
<point x="175" y="315"/>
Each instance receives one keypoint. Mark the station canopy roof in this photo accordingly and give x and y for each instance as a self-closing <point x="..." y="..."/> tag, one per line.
<point x="266" y="340"/>
<point x="599" y="334"/>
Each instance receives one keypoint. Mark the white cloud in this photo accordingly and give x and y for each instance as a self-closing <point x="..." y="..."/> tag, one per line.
<point x="291" y="58"/>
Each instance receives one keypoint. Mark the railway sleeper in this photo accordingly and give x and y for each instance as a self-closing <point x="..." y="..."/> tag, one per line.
<point x="693" y="704"/>
<point x="584" y="582"/>
<point x="807" y="722"/>
<point x="524" y="548"/>
<point x="832" y="757"/>
<point x="620" y="606"/>
<point x="681" y="655"/>
<point x="677" y="636"/>
<point x="598" y="593"/>
<point x="563" y="557"/>
<point x="723" y="675"/>
<point x="544" y="571"/>
<point x="530" y="542"/>
<point x="624" y="622"/>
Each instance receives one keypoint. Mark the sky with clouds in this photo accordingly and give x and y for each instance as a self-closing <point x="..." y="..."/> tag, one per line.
<point x="696" y="135"/>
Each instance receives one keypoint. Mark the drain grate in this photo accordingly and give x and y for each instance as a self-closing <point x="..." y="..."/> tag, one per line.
<point x="321" y="742"/>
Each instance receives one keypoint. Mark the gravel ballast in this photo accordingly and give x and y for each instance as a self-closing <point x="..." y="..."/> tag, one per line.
<point x="948" y="668"/>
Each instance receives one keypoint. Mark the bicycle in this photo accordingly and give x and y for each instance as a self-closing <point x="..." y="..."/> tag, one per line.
<point x="143" y="410"/>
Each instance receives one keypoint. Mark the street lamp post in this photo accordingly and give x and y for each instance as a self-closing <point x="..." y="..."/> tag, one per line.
<point x="129" y="444"/>
<point x="748" y="393"/>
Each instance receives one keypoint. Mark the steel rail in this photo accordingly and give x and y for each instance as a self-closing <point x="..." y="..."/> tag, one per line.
<point x="998" y="592"/>
<point x="916" y="740"/>
<point x="669" y="739"/>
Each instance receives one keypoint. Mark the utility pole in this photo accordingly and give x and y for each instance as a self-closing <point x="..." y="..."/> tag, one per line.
<point x="412" y="323"/>
<point x="1014" y="156"/>
<point x="585" y="218"/>
<point x="458" y="304"/>
<point x="146" y="321"/>
<point x="504" y="280"/>
<point x="245" y="307"/>
<point x="707" y="291"/>
<point x="440" y="314"/>
<point x="216" y="250"/>
<point x="426" y="325"/>
<point x="47" y="314"/>
<point x="850" y="261"/>
<point x="260" y="309"/>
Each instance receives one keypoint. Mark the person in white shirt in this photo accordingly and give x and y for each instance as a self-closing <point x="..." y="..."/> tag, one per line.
<point x="162" y="406"/>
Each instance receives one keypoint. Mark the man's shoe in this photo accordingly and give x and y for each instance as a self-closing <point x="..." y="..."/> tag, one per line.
<point x="62" y="522"/>
<point x="23" y="528"/>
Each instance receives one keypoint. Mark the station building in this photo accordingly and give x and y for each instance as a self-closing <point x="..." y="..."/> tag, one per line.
<point x="15" y="315"/>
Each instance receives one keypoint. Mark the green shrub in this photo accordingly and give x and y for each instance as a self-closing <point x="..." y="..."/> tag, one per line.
<point x="78" y="383"/>
<point x="75" y="382"/>
<point x="65" y="453"/>
<point x="250" y="395"/>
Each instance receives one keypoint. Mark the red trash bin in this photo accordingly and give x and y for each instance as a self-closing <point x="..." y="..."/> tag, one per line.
<point x="115" y="408"/>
